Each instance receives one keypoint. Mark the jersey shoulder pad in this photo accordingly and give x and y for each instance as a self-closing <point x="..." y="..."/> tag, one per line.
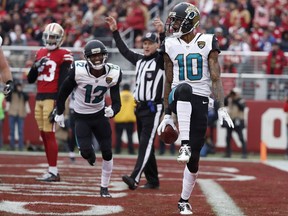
<point x="67" y="55"/>
<point x="206" y="37"/>
<point x="113" y="73"/>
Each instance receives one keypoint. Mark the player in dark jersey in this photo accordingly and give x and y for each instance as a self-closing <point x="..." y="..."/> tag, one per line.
<point x="91" y="79"/>
<point x="50" y="68"/>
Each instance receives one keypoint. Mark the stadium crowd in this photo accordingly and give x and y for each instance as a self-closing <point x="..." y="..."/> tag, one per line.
<point x="259" y="23"/>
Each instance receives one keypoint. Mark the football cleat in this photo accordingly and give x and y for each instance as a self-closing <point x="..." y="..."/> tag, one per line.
<point x="184" y="154"/>
<point x="185" y="208"/>
<point x="132" y="184"/>
<point x="49" y="177"/>
<point x="104" y="192"/>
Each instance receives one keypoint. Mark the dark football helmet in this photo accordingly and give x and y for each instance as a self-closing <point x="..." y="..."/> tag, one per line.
<point x="182" y="19"/>
<point x="95" y="47"/>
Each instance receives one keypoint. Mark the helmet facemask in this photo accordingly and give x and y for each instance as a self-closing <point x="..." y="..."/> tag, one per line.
<point x="53" y="36"/>
<point x="92" y="48"/>
<point x="95" y="64"/>
<point x="182" y="22"/>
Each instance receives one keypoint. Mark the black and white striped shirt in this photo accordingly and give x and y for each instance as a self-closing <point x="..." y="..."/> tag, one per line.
<point x="150" y="76"/>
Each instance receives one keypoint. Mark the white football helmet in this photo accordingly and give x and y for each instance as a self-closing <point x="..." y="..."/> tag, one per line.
<point x="53" y="36"/>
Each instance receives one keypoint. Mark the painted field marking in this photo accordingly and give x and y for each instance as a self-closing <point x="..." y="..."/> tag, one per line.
<point x="279" y="164"/>
<point x="19" y="208"/>
<point x="218" y="173"/>
<point x="221" y="203"/>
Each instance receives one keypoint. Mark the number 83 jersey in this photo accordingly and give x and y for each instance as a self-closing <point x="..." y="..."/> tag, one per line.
<point x="190" y="61"/>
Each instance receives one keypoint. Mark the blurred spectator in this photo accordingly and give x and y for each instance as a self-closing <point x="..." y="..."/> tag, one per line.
<point x="138" y="44"/>
<point x="15" y="5"/>
<point x="223" y="41"/>
<point x="125" y="119"/>
<point x="17" y="107"/>
<point x="236" y="105"/>
<point x="275" y="61"/>
<point x="261" y="13"/>
<point x="241" y="50"/>
<point x="2" y="116"/>
<point x="205" y="8"/>
<point x="239" y="15"/>
<point x="284" y="20"/>
<point x="274" y="64"/>
<point x="285" y="108"/>
<point x="18" y="38"/>
<point x="224" y="16"/>
<point x="7" y="23"/>
<point x="284" y="42"/>
<point x="255" y="36"/>
<point x="137" y="17"/>
<point x="266" y="41"/>
<point x="48" y="16"/>
<point x="274" y="30"/>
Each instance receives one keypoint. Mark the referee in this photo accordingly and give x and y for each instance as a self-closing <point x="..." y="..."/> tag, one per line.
<point x="148" y="94"/>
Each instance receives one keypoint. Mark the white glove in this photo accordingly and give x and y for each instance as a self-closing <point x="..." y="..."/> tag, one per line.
<point x="59" y="119"/>
<point x="109" y="112"/>
<point x="223" y="115"/>
<point x="211" y="103"/>
<point x="166" y="120"/>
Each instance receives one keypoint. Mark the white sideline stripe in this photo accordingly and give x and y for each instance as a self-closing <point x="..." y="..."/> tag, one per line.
<point x="221" y="203"/>
<point x="279" y="164"/>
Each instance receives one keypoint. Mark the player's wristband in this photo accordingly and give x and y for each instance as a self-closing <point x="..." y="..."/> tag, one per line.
<point x="168" y="111"/>
<point x="9" y="82"/>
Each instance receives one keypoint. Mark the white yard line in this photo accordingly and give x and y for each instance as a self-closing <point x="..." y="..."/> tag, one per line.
<point x="279" y="164"/>
<point x="222" y="204"/>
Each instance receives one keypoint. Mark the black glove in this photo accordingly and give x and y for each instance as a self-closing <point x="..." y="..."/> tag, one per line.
<point x="41" y="62"/>
<point x="8" y="88"/>
<point x="52" y="116"/>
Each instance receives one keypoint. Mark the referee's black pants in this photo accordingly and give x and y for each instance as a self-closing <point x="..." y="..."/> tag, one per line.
<point x="147" y="123"/>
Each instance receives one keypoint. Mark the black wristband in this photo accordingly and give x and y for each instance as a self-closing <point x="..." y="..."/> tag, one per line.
<point x="9" y="82"/>
<point x="168" y="111"/>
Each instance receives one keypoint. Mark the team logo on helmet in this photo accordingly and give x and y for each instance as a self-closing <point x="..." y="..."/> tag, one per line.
<point x="108" y="80"/>
<point x="201" y="44"/>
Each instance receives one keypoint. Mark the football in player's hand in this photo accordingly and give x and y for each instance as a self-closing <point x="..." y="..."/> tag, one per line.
<point x="169" y="135"/>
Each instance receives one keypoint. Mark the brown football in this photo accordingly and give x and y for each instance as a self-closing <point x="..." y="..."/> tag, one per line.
<point x="169" y="135"/>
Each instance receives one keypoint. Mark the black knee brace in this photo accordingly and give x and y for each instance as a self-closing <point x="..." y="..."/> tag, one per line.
<point x="193" y="164"/>
<point x="107" y="155"/>
<point x="89" y="156"/>
<point x="184" y="92"/>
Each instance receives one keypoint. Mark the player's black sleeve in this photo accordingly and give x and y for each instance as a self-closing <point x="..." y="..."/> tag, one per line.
<point x="115" y="96"/>
<point x="66" y="88"/>
<point x="64" y="71"/>
<point x="32" y="75"/>
<point x="215" y="44"/>
<point x="131" y="56"/>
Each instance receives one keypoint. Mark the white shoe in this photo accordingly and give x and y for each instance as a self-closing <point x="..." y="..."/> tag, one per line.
<point x="184" y="154"/>
<point x="185" y="208"/>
